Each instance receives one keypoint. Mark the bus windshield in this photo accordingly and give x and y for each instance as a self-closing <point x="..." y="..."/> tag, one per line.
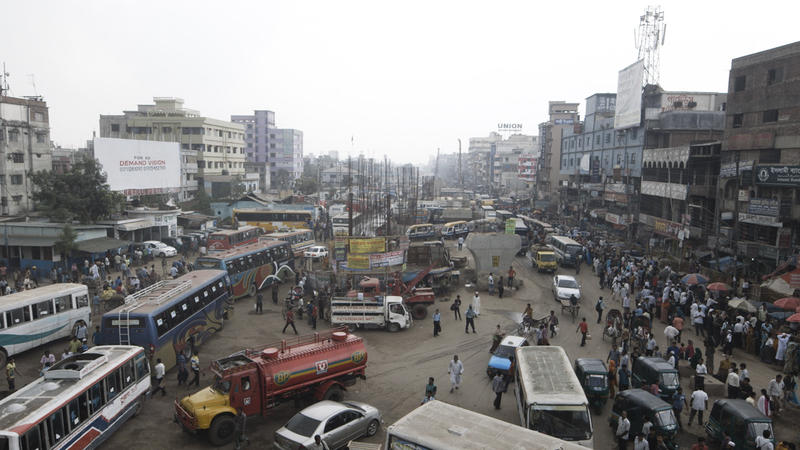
<point x="570" y="423"/>
<point x="208" y="263"/>
<point x="574" y="249"/>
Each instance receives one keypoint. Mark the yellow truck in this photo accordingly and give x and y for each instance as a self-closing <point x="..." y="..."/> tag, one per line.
<point x="542" y="258"/>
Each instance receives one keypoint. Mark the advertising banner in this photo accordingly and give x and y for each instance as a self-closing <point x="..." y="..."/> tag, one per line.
<point x="371" y="245"/>
<point x="357" y="261"/>
<point x="778" y="175"/>
<point x="139" y="167"/>
<point x="511" y="226"/>
<point x="394" y="258"/>
<point x="628" y="112"/>
<point x="763" y="206"/>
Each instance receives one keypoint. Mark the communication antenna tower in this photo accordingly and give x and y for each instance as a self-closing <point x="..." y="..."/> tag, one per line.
<point x="649" y="38"/>
<point x="4" y="81"/>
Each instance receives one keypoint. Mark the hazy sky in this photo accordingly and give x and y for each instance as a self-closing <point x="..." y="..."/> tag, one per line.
<point x="402" y="78"/>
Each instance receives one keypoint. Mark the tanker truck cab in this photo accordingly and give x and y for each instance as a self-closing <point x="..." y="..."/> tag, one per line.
<point x="312" y="367"/>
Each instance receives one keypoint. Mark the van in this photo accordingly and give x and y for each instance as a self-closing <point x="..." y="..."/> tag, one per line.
<point x="739" y="420"/>
<point x="648" y="370"/>
<point x="542" y="259"/>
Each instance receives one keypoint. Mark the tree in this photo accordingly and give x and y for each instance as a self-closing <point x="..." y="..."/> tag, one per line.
<point x="307" y="185"/>
<point x="282" y="179"/>
<point x="66" y="243"/>
<point x="238" y="189"/>
<point x="81" y="193"/>
<point x="200" y="203"/>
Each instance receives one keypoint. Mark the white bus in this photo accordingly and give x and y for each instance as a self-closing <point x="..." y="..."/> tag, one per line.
<point x="567" y="250"/>
<point x="440" y="426"/>
<point x="341" y="224"/>
<point x="549" y="396"/>
<point x="38" y="316"/>
<point x="78" y="403"/>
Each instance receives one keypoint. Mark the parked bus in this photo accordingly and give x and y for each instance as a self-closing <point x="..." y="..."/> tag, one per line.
<point x="437" y="425"/>
<point x="455" y="230"/>
<point x="252" y="267"/>
<point x="300" y="240"/>
<point x="78" y="403"/>
<point x="39" y="316"/>
<point x="521" y="230"/>
<point x="567" y="250"/>
<point x="341" y="224"/>
<point x="271" y="220"/>
<point x="421" y="232"/>
<point x="549" y="396"/>
<point x="171" y="316"/>
<point x="226" y="239"/>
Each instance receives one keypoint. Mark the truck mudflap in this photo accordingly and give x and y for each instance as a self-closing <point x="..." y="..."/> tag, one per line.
<point x="185" y="418"/>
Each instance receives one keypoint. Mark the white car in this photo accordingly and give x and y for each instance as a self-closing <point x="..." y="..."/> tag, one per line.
<point x="565" y="286"/>
<point x="336" y="423"/>
<point x="160" y="249"/>
<point x="317" y="251"/>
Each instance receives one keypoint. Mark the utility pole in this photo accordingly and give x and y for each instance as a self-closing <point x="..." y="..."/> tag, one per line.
<point x="460" y="175"/>
<point x="349" y="199"/>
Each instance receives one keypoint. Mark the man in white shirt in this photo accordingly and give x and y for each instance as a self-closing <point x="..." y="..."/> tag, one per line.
<point x="623" y="427"/>
<point x="763" y="442"/>
<point x="640" y="443"/>
<point x="476" y="304"/>
<point x="775" y="391"/>
<point x="733" y="383"/>
<point x="699" y="404"/>
<point x="159" y="373"/>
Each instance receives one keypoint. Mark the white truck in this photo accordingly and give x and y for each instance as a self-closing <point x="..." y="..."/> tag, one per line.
<point x="370" y="312"/>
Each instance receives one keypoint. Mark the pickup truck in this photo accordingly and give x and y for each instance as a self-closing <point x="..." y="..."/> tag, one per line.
<point x="370" y="312"/>
<point x="543" y="259"/>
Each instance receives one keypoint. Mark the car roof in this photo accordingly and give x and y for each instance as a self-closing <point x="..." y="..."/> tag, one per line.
<point x="324" y="409"/>
<point x="513" y="341"/>
<point x="566" y="277"/>
<point x="645" y="398"/>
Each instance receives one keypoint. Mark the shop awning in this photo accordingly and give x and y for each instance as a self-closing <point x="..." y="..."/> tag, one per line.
<point x="100" y="245"/>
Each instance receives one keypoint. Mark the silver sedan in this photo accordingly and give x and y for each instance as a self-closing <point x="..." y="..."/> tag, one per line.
<point x="336" y="423"/>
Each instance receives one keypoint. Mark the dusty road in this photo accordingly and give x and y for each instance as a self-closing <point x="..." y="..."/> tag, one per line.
<point x="399" y="364"/>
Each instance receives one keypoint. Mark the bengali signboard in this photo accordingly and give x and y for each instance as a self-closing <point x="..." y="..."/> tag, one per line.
<point x="763" y="206"/>
<point x="371" y="245"/>
<point x="778" y="175"/>
<point x="667" y="228"/>
<point x="355" y="261"/>
<point x="340" y="248"/>
<point x="756" y="219"/>
<point x="728" y="170"/>
<point x="387" y="259"/>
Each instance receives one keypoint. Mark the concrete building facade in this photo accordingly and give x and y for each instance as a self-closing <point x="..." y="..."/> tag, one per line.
<point x="759" y="179"/>
<point x="209" y="147"/>
<point x="270" y="149"/>
<point x="562" y="116"/>
<point x="24" y="148"/>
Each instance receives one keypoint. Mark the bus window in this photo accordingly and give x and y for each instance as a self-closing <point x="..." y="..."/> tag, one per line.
<point x="42" y="309"/>
<point x="82" y="300"/>
<point x="112" y="385"/>
<point x="127" y="374"/>
<point x="18" y="316"/>
<point x="63" y="303"/>
<point x="74" y="416"/>
<point x="57" y="426"/>
<point x="142" y="368"/>
<point x="83" y="406"/>
<point x="3" y="442"/>
<point x="31" y="440"/>
<point x="96" y="397"/>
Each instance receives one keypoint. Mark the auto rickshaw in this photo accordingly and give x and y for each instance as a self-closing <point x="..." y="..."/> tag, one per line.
<point x="593" y="375"/>
<point x="649" y="370"/>
<point x="641" y="406"/>
<point x="739" y="420"/>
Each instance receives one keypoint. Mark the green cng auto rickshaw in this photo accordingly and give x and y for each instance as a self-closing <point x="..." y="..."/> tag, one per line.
<point x="742" y="422"/>
<point x="649" y="370"/>
<point x="642" y="405"/>
<point x="593" y="376"/>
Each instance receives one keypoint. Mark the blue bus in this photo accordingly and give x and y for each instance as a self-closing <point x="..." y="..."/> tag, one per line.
<point x="171" y="316"/>
<point x="251" y="267"/>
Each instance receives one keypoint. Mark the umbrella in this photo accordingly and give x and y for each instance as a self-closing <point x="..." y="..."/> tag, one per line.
<point x="742" y="305"/>
<point x="793" y="318"/>
<point x="781" y="315"/>
<point x="694" y="278"/>
<point x="788" y="303"/>
<point x="718" y="287"/>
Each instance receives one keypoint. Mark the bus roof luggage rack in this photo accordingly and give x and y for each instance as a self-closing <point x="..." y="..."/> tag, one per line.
<point x="75" y="367"/>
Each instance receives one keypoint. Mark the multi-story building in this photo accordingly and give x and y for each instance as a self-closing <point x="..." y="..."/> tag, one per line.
<point x="209" y="147"/>
<point x="24" y="148"/>
<point x="526" y="168"/>
<point x="759" y="184"/>
<point x="563" y="116"/>
<point x="271" y="150"/>
<point x="494" y="161"/>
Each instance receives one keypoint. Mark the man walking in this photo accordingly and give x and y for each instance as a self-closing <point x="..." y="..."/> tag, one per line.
<point x="733" y="383"/>
<point x="195" y="364"/>
<point x="775" y="391"/>
<point x="159" y="370"/>
<point x="314" y="316"/>
<point x="491" y="283"/>
<point x="275" y="294"/>
<point x="623" y="428"/>
<point x="183" y="374"/>
<point x="476" y="304"/>
<point x="456" y="308"/>
<point x="460" y="242"/>
<point x="456" y="369"/>
<point x="583" y="327"/>
<point x="11" y="373"/>
<point x="498" y="386"/>
<point x="699" y="404"/>
<point x="259" y="303"/>
<point x="470" y="314"/>
<point x="599" y="307"/>
<point x="511" y="275"/>
<point x="678" y="403"/>
<point x="437" y="323"/>
<point x="289" y="321"/>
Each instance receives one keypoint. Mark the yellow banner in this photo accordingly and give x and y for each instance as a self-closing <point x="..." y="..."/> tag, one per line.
<point x="357" y="261"/>
<point x="371" y="245"/>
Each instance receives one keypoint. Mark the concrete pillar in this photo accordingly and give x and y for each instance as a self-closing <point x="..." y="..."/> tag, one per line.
<point x="492" y="252"/>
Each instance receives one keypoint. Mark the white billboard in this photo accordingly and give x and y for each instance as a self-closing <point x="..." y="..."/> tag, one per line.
<point x="628" y="112"/>
<point x="137" y="167"/>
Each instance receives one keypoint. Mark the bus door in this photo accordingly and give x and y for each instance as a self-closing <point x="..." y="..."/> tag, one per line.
<point x="246" y="392"/>
<point x="521" y="406"/>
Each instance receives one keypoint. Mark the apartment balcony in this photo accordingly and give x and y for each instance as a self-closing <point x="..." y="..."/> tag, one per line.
<point x="189" y="167"/>
<point x="703" y="190"/>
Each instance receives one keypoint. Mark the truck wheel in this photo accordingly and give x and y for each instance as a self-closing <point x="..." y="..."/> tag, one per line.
<point x="221" y="431"/>
<point x="251" y="291"/>
<point x="419" y="312"/>
<point x="334" y="393"/>
<point x="372" y="428"/>
<point x="393" y="327"/>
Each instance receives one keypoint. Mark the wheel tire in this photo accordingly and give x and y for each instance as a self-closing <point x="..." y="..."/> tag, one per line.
<point x="222" y="430"/>
<point x="162" y="255"/>
<point x="372" y="428"/>
<point x="393" y="327"/>
<point x="251" y="291"/>
<point x="419" y="312"/>
<point x="334" y="393"/>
